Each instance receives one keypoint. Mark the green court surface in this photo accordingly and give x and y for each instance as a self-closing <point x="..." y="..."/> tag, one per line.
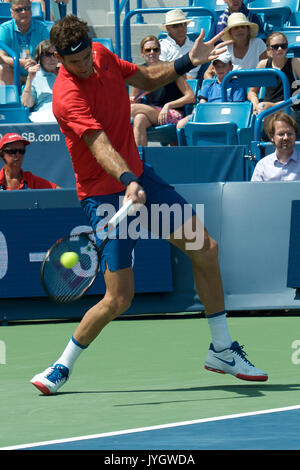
<point x="141" y="372"/>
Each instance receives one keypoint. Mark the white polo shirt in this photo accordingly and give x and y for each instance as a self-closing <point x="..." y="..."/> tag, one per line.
<point x="270" y="168"/>
<point x="170" y="51"/>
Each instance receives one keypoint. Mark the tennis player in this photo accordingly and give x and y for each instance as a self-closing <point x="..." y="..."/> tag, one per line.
<point x="91" y="104"/>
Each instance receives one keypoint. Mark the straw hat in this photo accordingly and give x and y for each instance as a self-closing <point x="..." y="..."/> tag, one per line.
<point x="239" y="19"/>
<point x="174" y="17"/>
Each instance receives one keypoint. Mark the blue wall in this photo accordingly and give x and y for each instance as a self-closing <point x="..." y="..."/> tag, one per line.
<point x="250" y="221"/>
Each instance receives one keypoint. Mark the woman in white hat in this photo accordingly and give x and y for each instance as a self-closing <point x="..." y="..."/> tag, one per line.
<point x="246" y="49"/>
<point x="165" y="105"/>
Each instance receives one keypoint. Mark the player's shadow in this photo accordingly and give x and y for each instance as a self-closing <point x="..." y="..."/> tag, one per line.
<point x="245" y="390"/>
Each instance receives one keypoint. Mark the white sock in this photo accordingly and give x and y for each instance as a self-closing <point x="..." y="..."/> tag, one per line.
<point x="71" y="353"/>
<point x="219" y="331"/>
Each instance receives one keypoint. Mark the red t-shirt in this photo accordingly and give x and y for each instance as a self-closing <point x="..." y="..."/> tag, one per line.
<point x="29" y="181"/>
<point x="98" y="102"/>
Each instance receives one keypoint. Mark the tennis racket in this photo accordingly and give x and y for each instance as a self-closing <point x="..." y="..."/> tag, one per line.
<point x="65" y="285"/>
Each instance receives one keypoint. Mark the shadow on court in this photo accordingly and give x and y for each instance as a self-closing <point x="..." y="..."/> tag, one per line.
<point x="238" y="391"/>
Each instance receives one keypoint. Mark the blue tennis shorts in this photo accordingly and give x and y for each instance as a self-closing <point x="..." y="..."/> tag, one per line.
<point x="154" y="220"/>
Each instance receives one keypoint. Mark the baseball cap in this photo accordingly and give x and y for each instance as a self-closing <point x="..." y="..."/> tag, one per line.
<point x="225" y="58"/>
<point x="12" y="137"/>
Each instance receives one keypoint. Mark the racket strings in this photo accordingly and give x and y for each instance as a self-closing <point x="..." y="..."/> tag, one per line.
<point x="65" y="285"/>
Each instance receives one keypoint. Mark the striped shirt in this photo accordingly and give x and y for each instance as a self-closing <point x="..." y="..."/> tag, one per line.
<point x="252" y="17"/>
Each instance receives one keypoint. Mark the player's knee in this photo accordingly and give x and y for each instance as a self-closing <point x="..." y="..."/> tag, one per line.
<point x="119" y="304"/>
<point x="209" y="249"/>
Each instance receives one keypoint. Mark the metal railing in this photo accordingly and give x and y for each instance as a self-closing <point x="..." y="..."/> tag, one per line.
<point x="15" y="58"/>
<point x="119" y="7"/>
<point x="62" y="9"/>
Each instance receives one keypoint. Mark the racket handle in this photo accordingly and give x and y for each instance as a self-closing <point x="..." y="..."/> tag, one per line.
<point x="120" y="215"/>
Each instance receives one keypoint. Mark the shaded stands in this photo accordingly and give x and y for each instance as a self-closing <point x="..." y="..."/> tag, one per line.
<point x="275" y="15"/>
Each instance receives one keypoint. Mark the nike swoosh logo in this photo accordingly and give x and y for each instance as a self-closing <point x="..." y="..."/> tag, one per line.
<point x="76" y="47"/>
<point x="232" y="363"/>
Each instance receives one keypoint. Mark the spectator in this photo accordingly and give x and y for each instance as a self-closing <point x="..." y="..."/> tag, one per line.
<point x="12" y="150"/>
<point x="164" y="105"/>
<point x="22" y="34"/>
<point x="247" y="49"/>
<point x="277" y="47"/>
<point x="211" y="90"/>
<point x="177" y="43"/>
<point x="284" y="163"/>
<point x="237" y="6"/>
<point x="37" y="93"/>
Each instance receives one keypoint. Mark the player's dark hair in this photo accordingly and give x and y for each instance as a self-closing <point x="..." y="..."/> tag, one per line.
<point x="68" y="31"/>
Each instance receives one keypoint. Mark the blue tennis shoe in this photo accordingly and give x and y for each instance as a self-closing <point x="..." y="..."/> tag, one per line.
<point x="233" y="361"/>
<point x="49" y="381"/>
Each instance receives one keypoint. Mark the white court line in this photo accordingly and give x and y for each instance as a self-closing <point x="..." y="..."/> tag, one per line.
<point x="150" y="428"/>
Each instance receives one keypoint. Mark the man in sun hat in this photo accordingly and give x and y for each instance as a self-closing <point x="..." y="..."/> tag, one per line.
<point x="237" y="6"/>
<point x="12" y="151"/>
<point x="177" y="43"/>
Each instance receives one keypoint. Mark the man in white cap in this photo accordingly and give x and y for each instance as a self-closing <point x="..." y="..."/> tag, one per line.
<point x="177" y="43"/>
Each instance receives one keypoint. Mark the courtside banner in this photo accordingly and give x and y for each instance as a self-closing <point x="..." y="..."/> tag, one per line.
<point x="293" y="277"/>
<point x="26" y="235"/>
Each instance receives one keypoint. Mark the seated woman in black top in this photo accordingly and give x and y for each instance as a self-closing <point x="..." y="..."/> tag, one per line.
<point x="162" y="106"/>
<point x="277" y="47"/>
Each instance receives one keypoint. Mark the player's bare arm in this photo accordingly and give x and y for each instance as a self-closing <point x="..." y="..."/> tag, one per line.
<point x="112" y="162"/>
<point x="161" y="73"/>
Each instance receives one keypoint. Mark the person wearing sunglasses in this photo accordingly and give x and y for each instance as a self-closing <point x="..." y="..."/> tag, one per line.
<point x="277" y="48"/>
<point x="37" y="93"/>
<point x="22" y="34"/>
<point x="165" y="105"/>
<point x="176" y="43"/>
<point x="12" y="151"/>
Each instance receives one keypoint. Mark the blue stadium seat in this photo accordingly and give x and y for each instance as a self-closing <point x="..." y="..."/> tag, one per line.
<point x="256" y="78"/>
<point x="107" y="42"/>
<point x="293" y="37"/>
<point x="9" y="95"/>
<point x="219" y="124"/>
<point x="13" y="115"/>
<point x="275" y="14"/>
<point x="208" y="23"/>
<point x="166" y="134"/>
<point x="216" y="5"/>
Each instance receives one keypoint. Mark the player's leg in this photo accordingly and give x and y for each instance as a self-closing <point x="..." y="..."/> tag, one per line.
<point x="117" y="299"/>
<point x="116" y="261"/>
<point x="118" y="296"/>
<point x="224" y="356"/>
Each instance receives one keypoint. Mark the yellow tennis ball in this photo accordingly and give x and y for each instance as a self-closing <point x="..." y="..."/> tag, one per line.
<point x="69" y="259"/>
